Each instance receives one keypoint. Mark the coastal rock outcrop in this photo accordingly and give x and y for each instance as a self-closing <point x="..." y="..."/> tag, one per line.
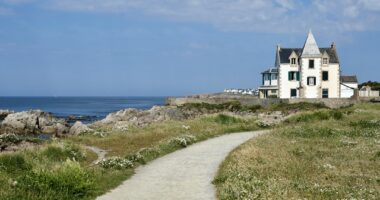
<point x="5" y="113"/>
<point x="79" y="128"/>
<point x="143" y="117"/>
<point x="34" y="122"/>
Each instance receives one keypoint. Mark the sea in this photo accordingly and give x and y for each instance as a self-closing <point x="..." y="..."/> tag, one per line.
<point x="85" y="109"/>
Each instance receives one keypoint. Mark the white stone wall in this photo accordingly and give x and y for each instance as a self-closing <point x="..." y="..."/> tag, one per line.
<point x="311" y="91"/>
<point x="333" y="84"/>
<point x="284" y="84"/>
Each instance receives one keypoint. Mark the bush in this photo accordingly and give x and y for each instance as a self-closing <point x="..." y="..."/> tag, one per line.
<point x="68" y="182"/>
<point x="61" y="153"/>
<point x="226" y="119"/>
<point x="233" y="106"/>
<point x="13" y="163"/>
<point x="144" y="155"/>
<point x="11" y="138"/>
<point x="184" y="140"/>
<point x="317" y="116"/>
<point x="116" y="163"/>
<point x="262" y="124"/>
<point x="296" y="106"/>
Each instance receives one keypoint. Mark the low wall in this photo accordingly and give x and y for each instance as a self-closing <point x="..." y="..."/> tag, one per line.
<point x="253" y="100"/>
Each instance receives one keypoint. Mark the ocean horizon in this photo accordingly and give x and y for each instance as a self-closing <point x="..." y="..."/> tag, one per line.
<point x="87" y="109"/>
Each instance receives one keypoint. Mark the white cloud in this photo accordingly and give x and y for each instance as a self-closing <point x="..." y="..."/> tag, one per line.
<point x="241" y="15"/>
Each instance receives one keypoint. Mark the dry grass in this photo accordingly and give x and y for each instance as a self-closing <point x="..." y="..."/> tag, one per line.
<point x="315" y="159"/>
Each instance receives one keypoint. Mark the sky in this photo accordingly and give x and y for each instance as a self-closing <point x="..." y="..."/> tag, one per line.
<point x="171" y="47"/>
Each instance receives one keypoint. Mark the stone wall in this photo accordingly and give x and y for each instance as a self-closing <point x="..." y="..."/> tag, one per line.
<point x="251" y="100"/>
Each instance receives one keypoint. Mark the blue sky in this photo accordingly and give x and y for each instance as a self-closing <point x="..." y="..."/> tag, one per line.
<point x="171" y="47"/>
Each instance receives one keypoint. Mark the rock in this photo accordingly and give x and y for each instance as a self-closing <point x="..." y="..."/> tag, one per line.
<point x="137" y="117"/>
<point x="79" y="128"/>
<point x="33" y="122"/>
<point x="5" y="113"/>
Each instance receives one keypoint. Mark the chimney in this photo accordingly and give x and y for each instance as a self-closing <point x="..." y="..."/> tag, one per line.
<point x="333" y="46"/>
<point x="278" y="47"/>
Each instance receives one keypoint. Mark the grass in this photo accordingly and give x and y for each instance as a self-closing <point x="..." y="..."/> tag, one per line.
<point x="326" y="154"/>
<point x="63" y="170"/>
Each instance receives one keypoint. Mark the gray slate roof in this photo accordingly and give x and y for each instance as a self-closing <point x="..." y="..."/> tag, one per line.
<point x="270" y="70"/>
<point x="286" y="52"/>
<point x="348" y="79"/>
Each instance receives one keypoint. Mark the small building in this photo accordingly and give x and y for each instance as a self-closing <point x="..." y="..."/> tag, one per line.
<point x="348" y="85"/>
<point x="269" y="87"/>
<point x="366" y="91"/>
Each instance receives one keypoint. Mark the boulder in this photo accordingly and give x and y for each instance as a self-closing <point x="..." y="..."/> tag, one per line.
<point x="137" y="117"/>
<point x="34" y="122"/>
<point x="5" y="113"/>
<point x="79" y="128"/>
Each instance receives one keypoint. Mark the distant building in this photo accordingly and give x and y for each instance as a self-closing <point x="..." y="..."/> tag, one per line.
<point x="348" y="85"/>
<point x="241" y="91"/>
<point x="366" y="91"/>
<point x="308" y="72"/>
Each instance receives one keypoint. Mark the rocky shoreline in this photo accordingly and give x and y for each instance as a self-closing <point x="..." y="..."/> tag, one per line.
<point x="36" y="122"/>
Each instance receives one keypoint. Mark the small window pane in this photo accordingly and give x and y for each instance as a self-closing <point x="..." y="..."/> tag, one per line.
<point x="293" y="92"/>
<point x="325" y="93"/>
<point x="311" y="63"/>
<point x="325" y="61"/>
<point x="325" y="75"/>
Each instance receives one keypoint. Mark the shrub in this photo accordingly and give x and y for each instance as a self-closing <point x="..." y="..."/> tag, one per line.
<point x="70" y="181"/>
<point x="144" y="155"/>
<point x="316" y="116"/>
<point x="262" y="124"/>
<point x="61" y="153"/>
<point x="184" y="140"/>
<point x="232" y="106"/>
<point x="11" y="138"/>
<point x="13" y="163"/>
<point x="226" y="119"/>
<point x="296" y="106"/>
<point x="116" y="163"/>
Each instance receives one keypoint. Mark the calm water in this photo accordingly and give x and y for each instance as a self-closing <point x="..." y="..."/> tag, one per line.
<point x="91" y="108"/>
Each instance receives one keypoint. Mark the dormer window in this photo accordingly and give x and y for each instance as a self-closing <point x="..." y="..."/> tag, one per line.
<point x="293" y="61"/>
<point x="325" y="61"/>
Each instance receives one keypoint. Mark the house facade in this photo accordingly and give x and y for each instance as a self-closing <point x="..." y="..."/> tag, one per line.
<point x="308" y="72"/>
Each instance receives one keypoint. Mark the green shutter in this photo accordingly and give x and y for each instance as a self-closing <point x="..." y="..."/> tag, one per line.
<point x="290" y="76"/>
<point x="298" y="76"/>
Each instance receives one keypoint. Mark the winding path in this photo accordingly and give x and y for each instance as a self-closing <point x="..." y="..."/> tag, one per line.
<point x="184" y="174"/>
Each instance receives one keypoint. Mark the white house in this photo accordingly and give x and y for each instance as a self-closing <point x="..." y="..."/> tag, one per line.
<point x="308" y="72"/>
<point x="348" y="85"/>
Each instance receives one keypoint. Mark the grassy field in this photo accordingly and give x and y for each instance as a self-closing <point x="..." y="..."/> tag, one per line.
<point x="62" y="169"/>
<point x="324" y="154"/>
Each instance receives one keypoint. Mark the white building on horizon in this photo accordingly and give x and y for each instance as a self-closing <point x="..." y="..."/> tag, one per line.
<point x="308" y="72"/>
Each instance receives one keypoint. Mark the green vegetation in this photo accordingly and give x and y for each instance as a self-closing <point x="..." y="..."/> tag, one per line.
<point x="63" y="170"/>
<point x="373" y="84"/>
<point x="232" y="106"/>
<point x="326" y="154"/>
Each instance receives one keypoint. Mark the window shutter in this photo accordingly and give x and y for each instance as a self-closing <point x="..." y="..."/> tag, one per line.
<point x="290" y="76"/>
<point x="308" y="81"/>
<point x="298" y="76"/>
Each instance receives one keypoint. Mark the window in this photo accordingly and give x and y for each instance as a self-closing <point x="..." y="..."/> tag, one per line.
<point x="274" y="76"/>
<point x="325" y="61"/>
<point x="293" y="62"/>
<point x="325" y="75"/>
<point x="273" y="91"/>
<point x="293" y="92"/>
<point x="311" y="81"/>
<point x="325" y="93"/>
<point x="311" y="64"/>
<point x="294" y="76"/>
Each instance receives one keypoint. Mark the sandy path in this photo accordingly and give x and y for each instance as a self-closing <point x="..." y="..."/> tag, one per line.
<point x="184" y="174"/>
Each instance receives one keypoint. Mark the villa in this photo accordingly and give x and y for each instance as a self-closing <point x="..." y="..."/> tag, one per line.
<point x="308" y="72"/>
